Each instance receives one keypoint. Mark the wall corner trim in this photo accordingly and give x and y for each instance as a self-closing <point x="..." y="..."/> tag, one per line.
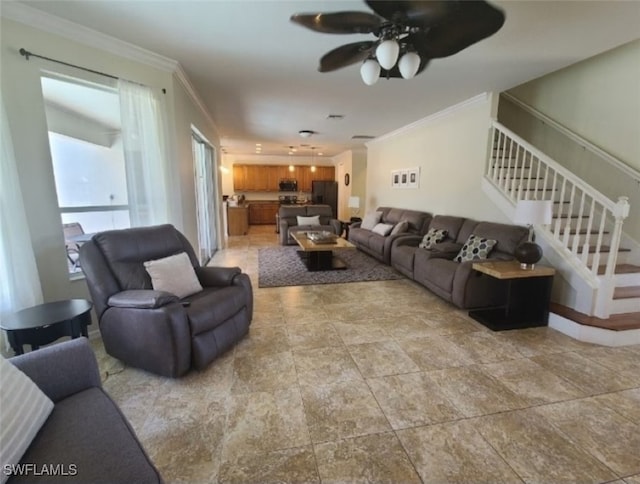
<point x="182" y="77"/>
<point x="432" y="117"/>
<point x="38" y="19"/>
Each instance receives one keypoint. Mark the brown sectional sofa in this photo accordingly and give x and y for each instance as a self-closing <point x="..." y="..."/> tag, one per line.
<point x="379" y="246"/>
<point x="453" y="281"/>
<point x="288" y="221"/>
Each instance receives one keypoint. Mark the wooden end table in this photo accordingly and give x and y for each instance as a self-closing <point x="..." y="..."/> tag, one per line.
<point x="42" y="324"/>
<point x="528" y="296"/>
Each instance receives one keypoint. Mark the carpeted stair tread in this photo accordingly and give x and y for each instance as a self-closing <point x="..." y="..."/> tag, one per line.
<point x="620" y="269"/>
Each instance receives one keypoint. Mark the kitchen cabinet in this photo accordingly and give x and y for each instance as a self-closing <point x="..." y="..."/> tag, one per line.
<point x="266" y="178"/>
<point x="263" y="213"/>
<point x="238" y="220"/>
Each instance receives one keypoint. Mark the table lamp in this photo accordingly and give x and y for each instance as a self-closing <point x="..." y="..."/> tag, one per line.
<point x="354" y="202"/>
<point x="531" y="212"/>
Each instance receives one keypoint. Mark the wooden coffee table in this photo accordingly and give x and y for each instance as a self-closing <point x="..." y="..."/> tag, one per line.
<point x="319" y="256"/>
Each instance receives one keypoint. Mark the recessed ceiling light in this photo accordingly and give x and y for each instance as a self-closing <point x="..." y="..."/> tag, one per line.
<point x="258" y="144"/>
<point x="306" y="133"/>
<point x="320" y="154"/>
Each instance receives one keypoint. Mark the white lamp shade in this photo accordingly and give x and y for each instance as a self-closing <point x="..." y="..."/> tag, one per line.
<point x="534" y="212"/>
<point x="370" y="72"/>
<point x="354" y="202"/>
<point x="409" y="64"/>
<point x="387" y="53"/>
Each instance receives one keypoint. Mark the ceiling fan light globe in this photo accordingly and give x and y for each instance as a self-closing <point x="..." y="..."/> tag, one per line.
<point x="387" y="53"/>
<point x="409" y="64"/>
<point x="370" y="72"/>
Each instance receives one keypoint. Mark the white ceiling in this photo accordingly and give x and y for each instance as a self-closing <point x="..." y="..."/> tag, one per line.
<point x="257" y="72"/>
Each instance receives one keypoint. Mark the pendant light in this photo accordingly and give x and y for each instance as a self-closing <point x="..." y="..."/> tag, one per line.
<point x="370" y="72"/>
<point x="409" y="64"/>
<point x="387" y="53"/>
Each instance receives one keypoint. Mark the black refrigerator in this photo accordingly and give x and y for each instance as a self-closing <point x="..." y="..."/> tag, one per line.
<point x="325" y="193"/>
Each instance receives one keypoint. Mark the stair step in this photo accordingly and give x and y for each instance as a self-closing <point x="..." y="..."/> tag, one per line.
<point x="620" y="269"/>
<point x="626" y="292"/>
<point x="606" y="248"/>
<point x="616" y="322"/>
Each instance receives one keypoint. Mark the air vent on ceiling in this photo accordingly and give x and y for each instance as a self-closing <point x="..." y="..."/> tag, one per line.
<point x="362" y="136"/>
<point x="335" y="116"/>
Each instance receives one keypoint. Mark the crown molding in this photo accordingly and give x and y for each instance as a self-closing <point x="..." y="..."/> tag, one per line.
<point x="79" y="33"/>
<point x="431" y="118"/>
<point x="181" y="75"/>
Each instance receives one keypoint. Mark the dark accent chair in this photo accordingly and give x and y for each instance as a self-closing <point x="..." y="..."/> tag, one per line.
<point x="85" y="428"/>
<point x="154" y="330"/>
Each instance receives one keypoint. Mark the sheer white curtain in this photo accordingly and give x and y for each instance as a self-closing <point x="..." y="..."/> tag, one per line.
<point x="203" y="161"/>
<point x="144" y="154"/>
<point x="19" y="280"/>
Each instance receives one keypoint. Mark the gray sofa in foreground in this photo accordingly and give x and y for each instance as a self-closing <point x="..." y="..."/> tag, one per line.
<point x="288" y="221"/>
<point x="86" y="430"/>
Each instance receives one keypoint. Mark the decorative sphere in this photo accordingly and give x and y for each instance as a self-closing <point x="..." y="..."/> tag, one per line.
<point x="528" y="253"/>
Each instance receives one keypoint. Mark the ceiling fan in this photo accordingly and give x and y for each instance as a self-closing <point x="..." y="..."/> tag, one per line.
<point x="412" y="31"/>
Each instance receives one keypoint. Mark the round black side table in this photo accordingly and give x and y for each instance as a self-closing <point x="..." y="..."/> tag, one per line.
<point x="45" y="323"/>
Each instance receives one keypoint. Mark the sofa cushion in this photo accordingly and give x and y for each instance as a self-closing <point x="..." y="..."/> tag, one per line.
<point x="88" y="433"/>
<point x="436" y="271"/>
<point x="360" y="236"/>
<point x="400" y="228"/>
<point x="508" y="236"/>
<point x="371" y="220"/>
<point x="174" y="274"/>
<point x="24" y="409"/>
<point x="475" y="248"/>
<point x="382" y="229"/>
<point x="433" y="237"/>
<point x="449" y="223"/>
<point x="313" y="220"/>
<point x="126" y="250"/>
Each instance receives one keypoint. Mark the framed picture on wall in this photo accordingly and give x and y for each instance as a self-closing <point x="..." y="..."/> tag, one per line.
<point x="404" y="178"/>
<point x="414" y="178"/>
<point x="395" y="178"/>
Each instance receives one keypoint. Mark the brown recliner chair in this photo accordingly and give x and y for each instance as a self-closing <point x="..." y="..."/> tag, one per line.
<point x="154" y="330"/>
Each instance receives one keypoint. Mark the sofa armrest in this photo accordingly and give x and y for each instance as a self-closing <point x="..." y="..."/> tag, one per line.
<point x="336" y="225"/>
<point x="142" y="299"/>
<point x="355" y="225"/>
<point x="61" y="370"/>
<point x="410" y="240"/>
<point x="217" y="276"/>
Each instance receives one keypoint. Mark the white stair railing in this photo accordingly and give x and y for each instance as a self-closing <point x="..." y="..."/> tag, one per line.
<point x="586" y="224"/>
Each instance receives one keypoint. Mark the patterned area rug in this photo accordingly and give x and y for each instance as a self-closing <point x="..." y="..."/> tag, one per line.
<point x="281" y="266"/>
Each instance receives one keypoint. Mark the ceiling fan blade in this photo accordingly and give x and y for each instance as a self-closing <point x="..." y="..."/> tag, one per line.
<point x="339" y="22"/>
<point x="470" y="23"/>
<point x="345" y="55"/>
<point x="423" y="14"/>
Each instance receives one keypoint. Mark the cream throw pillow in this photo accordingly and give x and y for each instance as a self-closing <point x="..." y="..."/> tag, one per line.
<point x="371" y="220"/>
<point x="24" y="408"/>
<point x="382" y="229"/>
<point x="315" y="220"/>
<point x="174" y="274"/>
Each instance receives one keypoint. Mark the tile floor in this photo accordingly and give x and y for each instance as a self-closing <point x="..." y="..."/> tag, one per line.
<point x="384" y="382"/>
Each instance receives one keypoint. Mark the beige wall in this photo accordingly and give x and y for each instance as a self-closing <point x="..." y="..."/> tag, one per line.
<point x="599" y="99"/>
<point x="25" y="107"/>
<point x="450" y="149"/>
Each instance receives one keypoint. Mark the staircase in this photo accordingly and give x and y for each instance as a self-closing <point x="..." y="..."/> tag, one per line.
<point x="599" y="265"/>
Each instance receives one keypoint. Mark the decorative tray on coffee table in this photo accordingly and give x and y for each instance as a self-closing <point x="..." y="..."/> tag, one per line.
<point x="322" y="237"/>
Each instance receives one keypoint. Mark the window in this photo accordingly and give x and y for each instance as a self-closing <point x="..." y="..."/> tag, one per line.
<point x="88" y="162"/>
